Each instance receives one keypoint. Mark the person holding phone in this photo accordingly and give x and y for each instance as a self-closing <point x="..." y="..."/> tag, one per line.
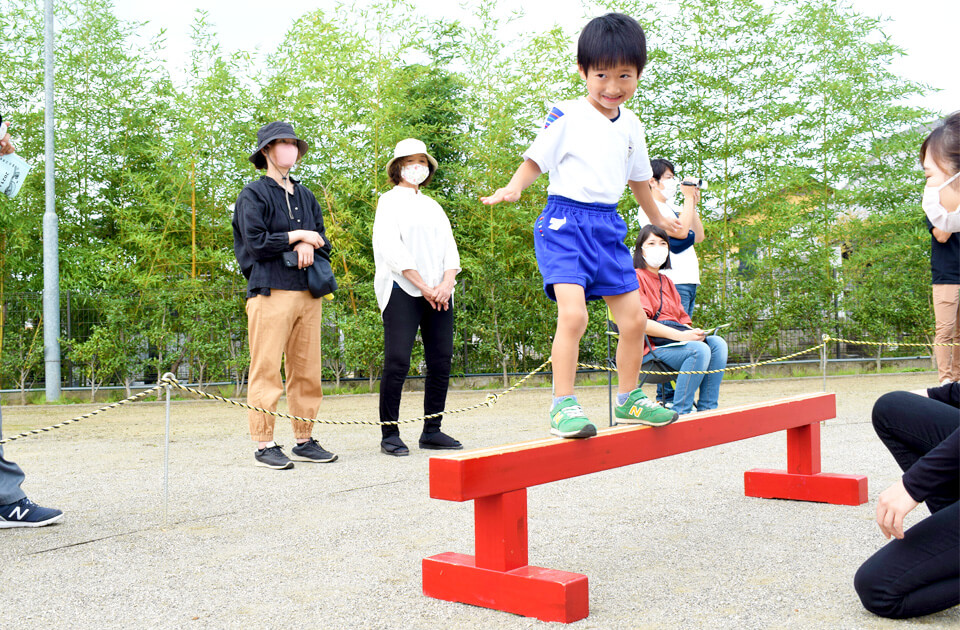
<point x="669" y="327"/>
<point x="275" y="216"/>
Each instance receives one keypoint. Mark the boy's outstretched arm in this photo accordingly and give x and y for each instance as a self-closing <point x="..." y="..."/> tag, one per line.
<point x="641" y="192"/>
<point x="526" y="174"/>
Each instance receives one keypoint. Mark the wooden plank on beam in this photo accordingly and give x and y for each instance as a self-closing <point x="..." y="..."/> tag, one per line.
<point x="491" y="471"/>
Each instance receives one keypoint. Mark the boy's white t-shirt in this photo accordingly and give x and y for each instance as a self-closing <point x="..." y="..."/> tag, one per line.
<point x="589" y="157"/>
<point x="685" y="266"/>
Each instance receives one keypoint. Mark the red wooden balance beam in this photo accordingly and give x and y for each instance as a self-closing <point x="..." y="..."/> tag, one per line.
<point x="496" y="479"/>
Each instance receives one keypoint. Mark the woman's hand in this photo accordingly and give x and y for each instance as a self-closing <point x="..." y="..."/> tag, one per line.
<point x="443" y="291"/>
<point x="307" y="236"/>
<point x="6" y="144"/>
<point x="894" y="503"/>
<point x="692" y="334"/>
<point x="304" y="254"/>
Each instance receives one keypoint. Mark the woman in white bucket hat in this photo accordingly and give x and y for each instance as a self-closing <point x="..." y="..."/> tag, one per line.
<point x="416" y="268"/>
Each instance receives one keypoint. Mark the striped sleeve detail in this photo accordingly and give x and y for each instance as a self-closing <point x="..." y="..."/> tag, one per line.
<point x="554" y="114"/>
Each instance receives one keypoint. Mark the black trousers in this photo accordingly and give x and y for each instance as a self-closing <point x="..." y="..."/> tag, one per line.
<point x="402" y="318"/>
<point x="919" y="574"/>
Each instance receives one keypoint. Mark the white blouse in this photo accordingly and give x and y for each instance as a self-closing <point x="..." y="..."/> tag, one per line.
<point x="410" y="231"/>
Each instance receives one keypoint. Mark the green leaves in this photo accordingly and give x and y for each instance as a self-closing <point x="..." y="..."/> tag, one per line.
<point x="789" y="110"/>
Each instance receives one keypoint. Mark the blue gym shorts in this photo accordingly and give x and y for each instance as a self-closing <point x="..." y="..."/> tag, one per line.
<point x="582" y="243"/>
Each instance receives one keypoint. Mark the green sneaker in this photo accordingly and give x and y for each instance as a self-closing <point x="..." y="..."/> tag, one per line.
<point x="567" y="420"/>
<point x="638" y="409"/>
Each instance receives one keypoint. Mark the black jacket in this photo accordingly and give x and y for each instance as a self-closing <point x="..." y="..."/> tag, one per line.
<point x="260" y="225"/>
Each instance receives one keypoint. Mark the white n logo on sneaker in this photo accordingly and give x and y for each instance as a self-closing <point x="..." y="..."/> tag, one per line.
<point x="18" y="513"/>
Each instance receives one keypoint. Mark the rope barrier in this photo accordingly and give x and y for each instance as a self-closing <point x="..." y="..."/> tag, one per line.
<point x="133" y="398"/>
<point x="491" y="400"/>
<point x="168" y="380"/>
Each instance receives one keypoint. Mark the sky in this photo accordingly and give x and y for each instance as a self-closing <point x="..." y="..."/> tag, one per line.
<point x="929" y="30"/>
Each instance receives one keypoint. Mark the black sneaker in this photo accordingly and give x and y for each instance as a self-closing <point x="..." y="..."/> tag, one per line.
<point x="273" y="457"/>
<point x="311" y="451"/>
<point x="439" y="441"/>
<point x="26" y="513"/>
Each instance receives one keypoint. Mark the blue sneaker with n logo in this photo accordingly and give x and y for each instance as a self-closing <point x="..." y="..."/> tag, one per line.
<point x="26" y="513"/>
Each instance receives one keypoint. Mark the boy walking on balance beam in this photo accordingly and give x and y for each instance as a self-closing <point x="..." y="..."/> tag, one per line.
<point x="591" y="147"/>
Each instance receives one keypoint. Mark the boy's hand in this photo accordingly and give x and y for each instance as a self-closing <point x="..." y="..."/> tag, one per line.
<point x="502" y="194"/>
<point x="671" y="225"/>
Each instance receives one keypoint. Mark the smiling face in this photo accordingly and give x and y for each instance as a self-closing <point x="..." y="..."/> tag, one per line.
<point x="936" y="176"/>
<point x="609" y="88"/>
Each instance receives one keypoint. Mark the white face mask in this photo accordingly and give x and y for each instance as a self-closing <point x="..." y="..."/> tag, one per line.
<point x="655" y="255"/>
<point x="415" y="173"/>
<point x="931" y="195"/>
<point x="670" y="187"/>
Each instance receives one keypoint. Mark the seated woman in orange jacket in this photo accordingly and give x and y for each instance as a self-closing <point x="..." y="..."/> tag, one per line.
<point x="678" y="344"/>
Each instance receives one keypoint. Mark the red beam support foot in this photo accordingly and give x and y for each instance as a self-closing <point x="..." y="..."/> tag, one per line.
<point x="821" y="487"/>
<point x="546" y="594"/>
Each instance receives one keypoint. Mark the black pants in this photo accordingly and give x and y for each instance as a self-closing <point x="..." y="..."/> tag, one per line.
<point x="402" y="318"/>
<point x="919" y="574"/>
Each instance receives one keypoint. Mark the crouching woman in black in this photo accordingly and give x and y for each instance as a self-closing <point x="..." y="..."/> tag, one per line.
<point x="918" y="573"/>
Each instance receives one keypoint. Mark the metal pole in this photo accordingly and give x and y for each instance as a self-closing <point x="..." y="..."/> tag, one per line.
<point x="823" y="361"/>
<point x="51" y="263"/>
<point x="166" y="456"/>
<point x="609" y="379"/>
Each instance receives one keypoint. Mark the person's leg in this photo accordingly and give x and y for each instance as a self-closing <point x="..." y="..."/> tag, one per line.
<point x="401" y="319"/>
<point x="910" y="426"/>
<point x="710" y="386"/>
<point x="690" y="357"/>
<point x="269" y="320"/>
<point x="627" y="310"/>
<point x="16" y="510"/>
<point x="918" y="574"/>
<point x="688" y="297"/>
<point x="955" y="375"/>
<point x="436" y="330"/>
<point x="945" y="305"/>
<point x="11" y="476"/>
<point x="303" y="365"/>
<point x="571" y="324"/>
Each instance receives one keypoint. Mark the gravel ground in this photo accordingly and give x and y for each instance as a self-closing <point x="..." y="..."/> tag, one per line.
<point x="671" y="543"/>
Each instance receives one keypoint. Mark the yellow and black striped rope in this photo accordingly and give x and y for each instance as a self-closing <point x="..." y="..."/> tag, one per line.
<point x="726" y="369"/>
<point x="120" y="403"/>
<point x="169" y="380"/>
<point x="489" y="402"/>
<point x="827" y="339"/>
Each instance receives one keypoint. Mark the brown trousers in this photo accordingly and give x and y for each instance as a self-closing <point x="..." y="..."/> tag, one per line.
<point x="946" y="310"/>
<point x="284" y="324"/>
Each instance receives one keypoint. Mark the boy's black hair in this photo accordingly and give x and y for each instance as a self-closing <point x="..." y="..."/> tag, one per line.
<point x="610" y="40"/>
<point x="645" y="232"/>
<point x="661" y="166"/>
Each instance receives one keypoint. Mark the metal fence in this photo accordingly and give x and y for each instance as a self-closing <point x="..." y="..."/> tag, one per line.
<point x="21" y="355"/>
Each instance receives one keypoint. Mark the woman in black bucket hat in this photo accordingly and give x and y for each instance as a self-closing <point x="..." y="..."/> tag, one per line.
<point x="277" y="233"/>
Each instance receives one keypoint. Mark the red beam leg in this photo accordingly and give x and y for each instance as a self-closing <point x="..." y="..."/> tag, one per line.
<point x="499" y="577"/>
<point x="803" y="481"/>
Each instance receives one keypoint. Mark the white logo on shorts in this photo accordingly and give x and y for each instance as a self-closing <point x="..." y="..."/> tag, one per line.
<point x="556" y="224"/>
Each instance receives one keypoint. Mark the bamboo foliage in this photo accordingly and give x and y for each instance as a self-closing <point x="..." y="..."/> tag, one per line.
<point x="789" y="109"/>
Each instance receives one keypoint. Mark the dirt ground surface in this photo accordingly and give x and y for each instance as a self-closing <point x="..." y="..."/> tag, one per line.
<point x="671" y="543"/>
